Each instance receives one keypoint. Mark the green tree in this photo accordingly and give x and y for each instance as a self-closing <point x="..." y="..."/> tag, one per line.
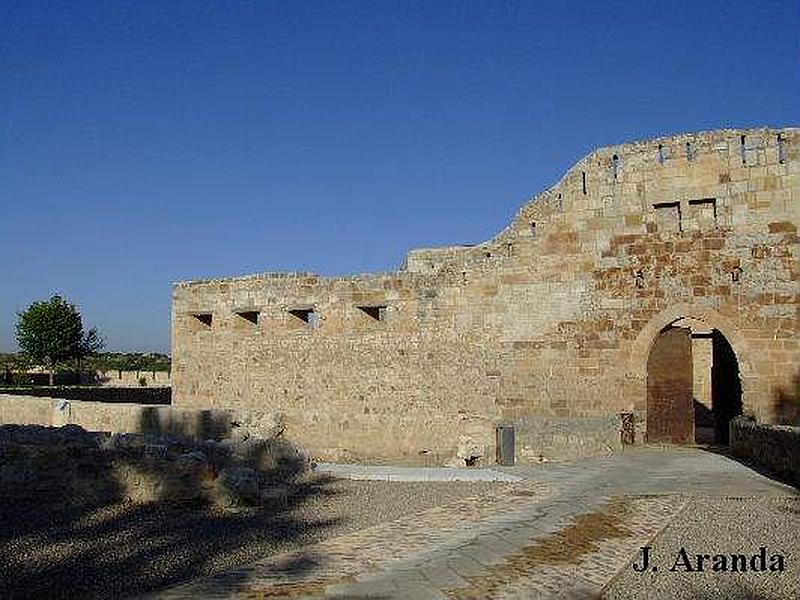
<point x="91" y="343"/>
<point x="51" y="332"/>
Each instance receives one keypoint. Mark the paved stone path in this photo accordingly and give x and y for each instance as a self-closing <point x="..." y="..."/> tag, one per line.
<point x="389" y="473"/>
<point x="564" y="531"/>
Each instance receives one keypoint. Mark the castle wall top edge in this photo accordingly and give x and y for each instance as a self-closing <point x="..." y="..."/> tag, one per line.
<point x="275" y="276"/>
<point x="635" y="145"/>
<point x="693" y="135"/>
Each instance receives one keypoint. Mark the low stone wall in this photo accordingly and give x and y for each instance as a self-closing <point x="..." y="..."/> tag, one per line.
<point x="536" y="438"/>
<point x="773" y="447"/>
<point x="129" y="395"/>
<point x="113" y="417"/>
<point x="562" y="439"/>
<point x="127" y="378"/>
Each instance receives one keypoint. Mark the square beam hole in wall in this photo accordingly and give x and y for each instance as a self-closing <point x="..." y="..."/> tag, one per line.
<point x="378" y="313"/>
<point x="249" y="315"/>
<point x="668" y="216"/>
<point x="205" y="318"/>
<point x="307" y="315"/>
<point x="702" y="214"/>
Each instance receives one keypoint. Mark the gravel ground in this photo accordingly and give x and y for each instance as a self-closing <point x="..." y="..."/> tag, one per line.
<point x="713" y="525"/>
<point x="125" y="549"/>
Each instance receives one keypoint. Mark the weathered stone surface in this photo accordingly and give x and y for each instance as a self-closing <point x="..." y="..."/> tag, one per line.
<point x="259" y="424"/>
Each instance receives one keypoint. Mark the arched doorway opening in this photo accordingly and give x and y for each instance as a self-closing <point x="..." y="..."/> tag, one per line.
<point x="693" y="385"/>
<point x="726" y="387"/>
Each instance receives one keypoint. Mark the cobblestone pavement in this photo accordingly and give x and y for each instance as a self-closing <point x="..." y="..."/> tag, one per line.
<point x="565" y="531"/>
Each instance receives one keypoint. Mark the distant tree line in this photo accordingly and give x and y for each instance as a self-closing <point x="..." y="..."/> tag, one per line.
<point x="102" y="361"/>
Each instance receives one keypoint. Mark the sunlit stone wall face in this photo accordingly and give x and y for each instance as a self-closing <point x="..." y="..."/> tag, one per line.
<point x="547" y="327"/>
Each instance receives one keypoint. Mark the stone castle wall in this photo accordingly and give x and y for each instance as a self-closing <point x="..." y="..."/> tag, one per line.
<point x="552" y="319"/>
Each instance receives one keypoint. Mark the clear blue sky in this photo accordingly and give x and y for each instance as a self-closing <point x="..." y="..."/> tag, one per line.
<point x="147" y="142"/>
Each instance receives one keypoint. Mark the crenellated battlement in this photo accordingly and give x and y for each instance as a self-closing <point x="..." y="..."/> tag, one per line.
<point x="621" y="180"/>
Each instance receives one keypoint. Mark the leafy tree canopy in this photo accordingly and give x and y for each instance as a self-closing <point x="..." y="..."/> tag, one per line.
<point x="51" y="331"/>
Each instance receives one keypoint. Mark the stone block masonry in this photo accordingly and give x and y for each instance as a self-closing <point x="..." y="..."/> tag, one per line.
<point x="550" y="324"/>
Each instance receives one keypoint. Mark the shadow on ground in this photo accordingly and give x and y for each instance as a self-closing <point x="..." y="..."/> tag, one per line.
<point x="750" y="464"/>
<point x="69" y="528"/>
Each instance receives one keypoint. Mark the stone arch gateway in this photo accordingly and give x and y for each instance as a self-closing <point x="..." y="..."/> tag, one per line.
<point x="548" y="327"/>
<point x="693" y="385"/>
<point x="711" y="370"/>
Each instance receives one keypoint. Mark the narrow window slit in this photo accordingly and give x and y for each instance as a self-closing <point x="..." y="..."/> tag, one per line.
<point x="743" y="149"/>
<point x="781" y="149"/>
<point x="583" y="177"/>
<point x="615" y="166"/>
<point x="205" y="318"/>
<point x="249" y="315"/>
<point x="307" y="315"/>
<point x="378" y="313"/>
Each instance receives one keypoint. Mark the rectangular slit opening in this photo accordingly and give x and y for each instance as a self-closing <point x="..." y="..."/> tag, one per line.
<point x="249" y="315"/>
<point x="707" y="201"/>
<point x="377" y="313"/>
<point x="205" y="318"/>
<point x="306" y="315"/>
